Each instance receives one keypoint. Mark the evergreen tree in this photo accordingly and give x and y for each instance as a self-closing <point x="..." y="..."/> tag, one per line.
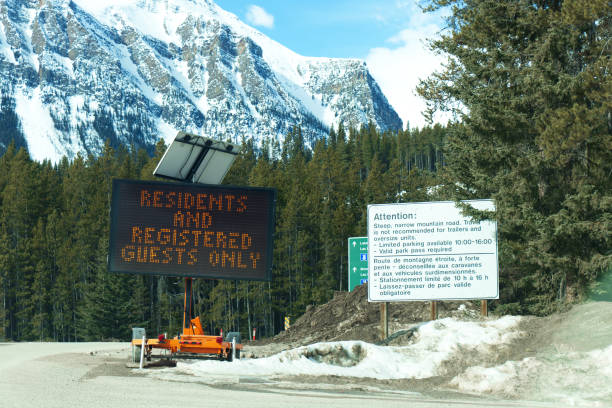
<point x="531" y="83"/>
<point x="54" y="226"/>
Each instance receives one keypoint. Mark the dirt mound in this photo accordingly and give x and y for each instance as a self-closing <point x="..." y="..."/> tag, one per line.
<point x="349" y="316"/>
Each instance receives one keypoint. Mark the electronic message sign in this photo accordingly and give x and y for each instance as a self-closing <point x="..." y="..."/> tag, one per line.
<point x="191" y="230"/>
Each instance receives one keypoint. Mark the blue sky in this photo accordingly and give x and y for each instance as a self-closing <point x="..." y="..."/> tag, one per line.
<point x="387" y="34"/>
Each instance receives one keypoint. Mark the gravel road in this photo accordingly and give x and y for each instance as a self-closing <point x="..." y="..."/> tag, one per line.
<point x="91" y="375"/>
<point x="563" y="357"/>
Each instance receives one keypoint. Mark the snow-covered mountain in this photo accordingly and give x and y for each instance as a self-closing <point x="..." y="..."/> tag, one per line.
<point x="75" y="73"/>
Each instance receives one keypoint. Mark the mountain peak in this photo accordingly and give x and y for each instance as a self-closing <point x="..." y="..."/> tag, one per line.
<point x="76" y="73"/>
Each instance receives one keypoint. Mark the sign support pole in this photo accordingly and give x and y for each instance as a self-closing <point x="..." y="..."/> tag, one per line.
<point x="434" y="310"/>
<point x="484" y="308"/>
<point x="384" y="320"/>
<point x="187" y="308"/>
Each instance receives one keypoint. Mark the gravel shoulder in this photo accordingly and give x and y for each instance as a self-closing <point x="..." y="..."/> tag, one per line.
<point x="95" y="375"/>
<point x="99" y="374"/>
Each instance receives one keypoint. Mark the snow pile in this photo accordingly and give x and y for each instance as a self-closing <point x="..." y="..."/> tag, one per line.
<point x="561" y="360"/>
<point x="570" y="377"/>
<point x="507" y="379"/>
<point x="439" y="348"/>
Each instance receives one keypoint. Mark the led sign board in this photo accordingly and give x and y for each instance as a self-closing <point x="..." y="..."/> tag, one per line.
<point x="191" y="230"/>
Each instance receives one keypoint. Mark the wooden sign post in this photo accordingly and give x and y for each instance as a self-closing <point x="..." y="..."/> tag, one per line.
<point x="384" y="320"/>
<point x="484" y="308"/>
<point x="434" y="310"/>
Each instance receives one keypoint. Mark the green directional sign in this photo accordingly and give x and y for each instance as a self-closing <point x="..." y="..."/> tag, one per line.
<point x="357" y="261"/>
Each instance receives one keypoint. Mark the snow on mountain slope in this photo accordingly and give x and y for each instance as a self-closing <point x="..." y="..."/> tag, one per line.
<point x="77" y="73"/>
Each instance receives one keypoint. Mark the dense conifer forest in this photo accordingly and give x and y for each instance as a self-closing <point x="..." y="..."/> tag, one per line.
<point x="54" y="226"/>
<point x="530" y="88"/>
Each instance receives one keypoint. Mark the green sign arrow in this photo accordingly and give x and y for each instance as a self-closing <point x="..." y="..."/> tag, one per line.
<point x="357" y="261"/>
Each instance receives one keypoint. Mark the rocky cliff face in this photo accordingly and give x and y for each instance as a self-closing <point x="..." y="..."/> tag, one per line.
<point x="76" y="73"/>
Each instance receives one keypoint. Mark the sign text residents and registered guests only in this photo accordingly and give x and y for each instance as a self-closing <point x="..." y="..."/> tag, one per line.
<point x="357" y="261"/>
<point x="191" y="230"/>
<point x="430" y="251"/>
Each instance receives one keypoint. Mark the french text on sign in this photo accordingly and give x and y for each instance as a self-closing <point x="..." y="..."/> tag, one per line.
<point x="430" y="251"/>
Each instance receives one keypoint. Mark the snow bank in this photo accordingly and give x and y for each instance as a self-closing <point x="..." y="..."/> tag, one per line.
<point x="583" y="379"/>
<point x="506" y="379"/>
<point x="464" y="350"/>
<point x="437" y="346"/>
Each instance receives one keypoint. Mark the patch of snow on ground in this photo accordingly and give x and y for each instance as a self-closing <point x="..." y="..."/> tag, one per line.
<point x="308" y="100"/>
<point x="27" y="29"/>
<point x="435" y="344"/>
<point x="582" y="379"/>
<point x="504" y="379"/>
<point x="179" y="70"/>
<point x="66" y="63"/>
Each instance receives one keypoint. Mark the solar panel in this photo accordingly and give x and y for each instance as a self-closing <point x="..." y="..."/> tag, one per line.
<point x="197" y="159"/>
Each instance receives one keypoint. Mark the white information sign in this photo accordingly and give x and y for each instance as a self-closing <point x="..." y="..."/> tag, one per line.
<point x="429" y="251"/>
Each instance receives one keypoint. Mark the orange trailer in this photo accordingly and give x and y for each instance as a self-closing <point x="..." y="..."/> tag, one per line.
<point x="193" y="340"/>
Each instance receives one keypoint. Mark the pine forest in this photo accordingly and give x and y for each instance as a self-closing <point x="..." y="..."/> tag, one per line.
<point x="55" y="233"/>
<point x="531" y="102"/>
